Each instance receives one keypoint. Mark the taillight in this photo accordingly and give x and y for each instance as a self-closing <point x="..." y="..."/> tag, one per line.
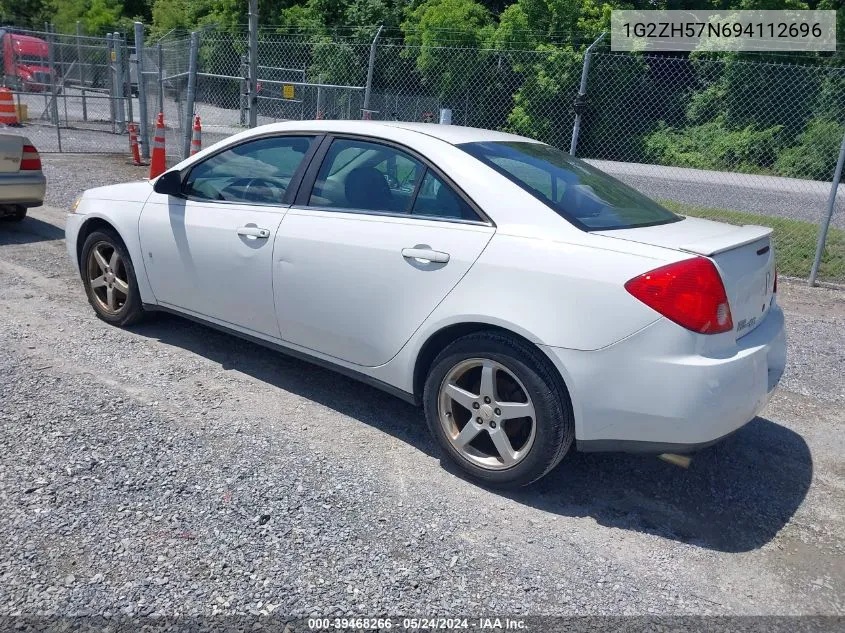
<point x="689" y="292"/>
<point x="30" y="160"/>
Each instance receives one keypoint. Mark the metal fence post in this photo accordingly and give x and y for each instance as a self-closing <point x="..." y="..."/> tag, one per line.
<point x="253" y="63"/>
<point x="82" y="71"/>
<point x="192" y="92"/>
<point x="79" y="52"/>
<point x="244" y="89"/>
<point x="54" y="106"/>
<point x="320" y="113"/>
<point x="142" y="90"/>
<point x="119" y="87"/>
<point x="62" y="70"/>
<point x="370" y="71"/>
<point x="582" y="93"/>
<point x="831" y="202"/>
<point x="160" y="77"/>
<point x="110" y="67"/>
<point x="126" y="70"/>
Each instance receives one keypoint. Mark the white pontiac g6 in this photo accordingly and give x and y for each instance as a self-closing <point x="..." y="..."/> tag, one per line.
<point x="531" y="303"/>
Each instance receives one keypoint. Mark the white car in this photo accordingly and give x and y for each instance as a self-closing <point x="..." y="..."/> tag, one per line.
<point x="22" y="183"/>
<point x="527" y="300"/>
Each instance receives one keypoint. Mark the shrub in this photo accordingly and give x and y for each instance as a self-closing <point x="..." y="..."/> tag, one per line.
<point x="815" y="155"/>
<point x="713" y="146"/>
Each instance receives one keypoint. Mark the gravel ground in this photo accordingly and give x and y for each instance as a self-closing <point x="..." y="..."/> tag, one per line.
<point x="68" y="175"/>
<point x="170" y="469"/>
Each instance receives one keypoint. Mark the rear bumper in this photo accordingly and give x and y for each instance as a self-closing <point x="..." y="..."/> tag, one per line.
<point x="26" y="189"/>
<point x="656" y="391"/>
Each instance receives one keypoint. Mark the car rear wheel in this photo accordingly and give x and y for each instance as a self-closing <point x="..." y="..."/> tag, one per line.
<point x="497" y="410"/>
<point x="109" y="279"/>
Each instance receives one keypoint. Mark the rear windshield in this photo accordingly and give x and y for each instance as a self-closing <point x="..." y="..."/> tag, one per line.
<point x="587" y="197"/>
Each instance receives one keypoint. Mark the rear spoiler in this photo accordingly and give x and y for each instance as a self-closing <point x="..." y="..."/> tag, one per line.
<point x="729" y="240"/>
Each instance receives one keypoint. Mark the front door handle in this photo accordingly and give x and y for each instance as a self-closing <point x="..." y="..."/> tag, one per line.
<point x="425" y="254"/>
<point x="254" y="231"/>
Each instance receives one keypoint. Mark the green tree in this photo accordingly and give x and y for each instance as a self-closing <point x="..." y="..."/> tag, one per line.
<point x="24" y="13"/>
<point x="448" y="39"/>
<point x="527" y="24"/>
<point x="97" y="16"/>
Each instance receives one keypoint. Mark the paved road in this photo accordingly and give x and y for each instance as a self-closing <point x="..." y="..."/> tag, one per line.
<point x="764" y="195"/>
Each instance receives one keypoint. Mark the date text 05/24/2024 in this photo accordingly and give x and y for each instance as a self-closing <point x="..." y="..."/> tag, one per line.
<point x="416" y="624"/>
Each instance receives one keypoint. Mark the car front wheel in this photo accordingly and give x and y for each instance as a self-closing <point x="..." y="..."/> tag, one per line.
<point x="109" y="279"/>
<point x="497" y="409"/>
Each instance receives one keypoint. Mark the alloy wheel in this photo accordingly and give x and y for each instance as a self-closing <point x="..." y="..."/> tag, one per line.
<point x="107" y="277"/>
<point x="487" y="414"/>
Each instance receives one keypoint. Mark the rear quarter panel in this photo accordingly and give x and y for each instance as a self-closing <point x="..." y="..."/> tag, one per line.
<point x="557" y="293"/>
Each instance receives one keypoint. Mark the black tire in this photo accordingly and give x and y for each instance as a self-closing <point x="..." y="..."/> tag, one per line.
<point x="554" y="420"/>
<point x="131" y="311"/>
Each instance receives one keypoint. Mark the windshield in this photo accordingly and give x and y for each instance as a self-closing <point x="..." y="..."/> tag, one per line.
<point x="32" y="61"/>
<point x="583" y="195"/>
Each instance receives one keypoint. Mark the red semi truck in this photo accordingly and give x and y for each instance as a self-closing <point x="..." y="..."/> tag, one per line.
<point x="26" y="64"/>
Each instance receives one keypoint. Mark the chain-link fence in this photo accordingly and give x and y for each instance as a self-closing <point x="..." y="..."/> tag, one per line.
<point x="72" y="92"/>
<point x="746" y="140"/>
<point x="298" y="77"/>
<point x="738" y="138"/>
<point x="164" y="70"/>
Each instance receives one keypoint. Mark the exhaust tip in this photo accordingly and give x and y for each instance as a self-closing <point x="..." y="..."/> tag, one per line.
<point x="678" y="460"/>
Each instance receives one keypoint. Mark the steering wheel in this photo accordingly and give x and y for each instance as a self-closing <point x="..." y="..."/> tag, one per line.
<point x="245" y="184"/>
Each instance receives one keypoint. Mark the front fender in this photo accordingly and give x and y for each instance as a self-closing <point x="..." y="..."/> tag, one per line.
<point x="123" y="216"/>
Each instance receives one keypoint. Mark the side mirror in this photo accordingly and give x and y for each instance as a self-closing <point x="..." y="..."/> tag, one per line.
<point x="169" y="183"/>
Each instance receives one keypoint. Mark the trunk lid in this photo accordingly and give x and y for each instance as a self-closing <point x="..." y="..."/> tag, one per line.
<point x="744" y="256"/>
<point x="11" y="151"/>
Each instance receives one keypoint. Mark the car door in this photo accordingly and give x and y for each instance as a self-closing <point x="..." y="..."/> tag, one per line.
<point x="376" y="239"/>
<point x="209" y="251"/>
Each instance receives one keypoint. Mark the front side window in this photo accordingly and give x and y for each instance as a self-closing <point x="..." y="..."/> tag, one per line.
<point x="584" y="195"/>
<point x="359" y="175"/>
<point x="257" y="172"/>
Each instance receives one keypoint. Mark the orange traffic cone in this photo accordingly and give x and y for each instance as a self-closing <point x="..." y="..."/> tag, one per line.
<point x="8" y="115"/>
<point x="133" y="145"/>
<point x="196" y="137"/>
<point x="158" y="162"/>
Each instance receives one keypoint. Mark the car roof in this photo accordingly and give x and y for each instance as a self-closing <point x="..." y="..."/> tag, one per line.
<point x="452" y="134"/>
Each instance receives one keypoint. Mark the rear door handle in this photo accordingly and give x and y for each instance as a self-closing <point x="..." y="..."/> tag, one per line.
<point x="254" y="231"/>
<point x="425" y="254"/>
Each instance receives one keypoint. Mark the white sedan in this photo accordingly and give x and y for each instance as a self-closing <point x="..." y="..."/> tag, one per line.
<point x="528" y="301"/>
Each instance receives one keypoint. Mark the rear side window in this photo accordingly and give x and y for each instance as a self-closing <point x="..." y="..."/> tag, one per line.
<point x="437" y="199"/>
<point x="258" y="171"/>
<point x="587" y="197"/>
